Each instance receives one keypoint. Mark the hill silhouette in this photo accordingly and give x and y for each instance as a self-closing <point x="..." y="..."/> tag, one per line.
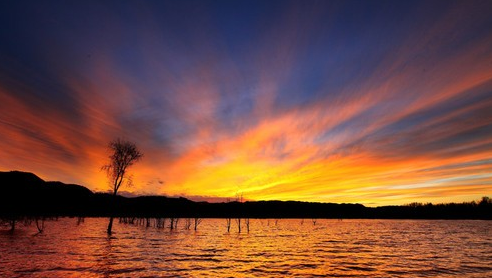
<point x="25" y="194"/>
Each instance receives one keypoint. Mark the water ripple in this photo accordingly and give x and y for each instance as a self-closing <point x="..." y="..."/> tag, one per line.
<point x="284" y="248"/>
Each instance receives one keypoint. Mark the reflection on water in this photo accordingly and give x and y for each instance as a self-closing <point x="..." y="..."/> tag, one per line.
<point x="352" y="248"/>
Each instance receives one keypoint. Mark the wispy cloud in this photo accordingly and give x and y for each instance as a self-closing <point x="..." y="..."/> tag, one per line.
<point x="336" y="102"/>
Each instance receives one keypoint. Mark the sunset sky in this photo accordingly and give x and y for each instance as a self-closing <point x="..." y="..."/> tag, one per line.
<point x="374" y="102"/>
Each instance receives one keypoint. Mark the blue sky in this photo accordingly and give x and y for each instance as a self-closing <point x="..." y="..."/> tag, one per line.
<point x="307" y="100"/>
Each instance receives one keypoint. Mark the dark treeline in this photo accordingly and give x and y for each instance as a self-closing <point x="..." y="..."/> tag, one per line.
<point x="26" y="195"/>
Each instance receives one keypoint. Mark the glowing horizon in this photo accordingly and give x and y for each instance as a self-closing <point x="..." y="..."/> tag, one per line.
<point x="376" y="103"/>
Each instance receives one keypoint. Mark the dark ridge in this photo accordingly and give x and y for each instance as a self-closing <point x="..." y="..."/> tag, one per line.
<point x="68" y="189"/>
<point x="25" y="194"/>
<point x="22" y="181"/>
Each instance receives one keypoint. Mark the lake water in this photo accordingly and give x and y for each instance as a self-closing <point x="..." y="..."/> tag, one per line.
<point x="288" y="248"/>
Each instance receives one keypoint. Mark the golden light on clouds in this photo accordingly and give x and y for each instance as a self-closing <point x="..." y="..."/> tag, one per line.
<point x="303" y="108"/>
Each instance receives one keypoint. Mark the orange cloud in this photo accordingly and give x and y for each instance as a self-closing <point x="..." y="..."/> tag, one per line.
<point x="296" y="116"/>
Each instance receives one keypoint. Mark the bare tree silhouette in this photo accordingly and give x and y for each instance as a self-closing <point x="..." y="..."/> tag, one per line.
<point x="197" y="222"/>
<point x="246" y="221"/>
<point x="187" y="223"/>
<point x="123" y="155"/>
<point x="238" y="222"/>
<point x="40" y="224"/>
<point x="239" y="199"/>
<point x="228" y="221"/>
<point x="174" y="223"/>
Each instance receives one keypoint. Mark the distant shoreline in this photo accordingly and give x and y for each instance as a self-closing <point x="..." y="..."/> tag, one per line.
<point x="25" y="194"/>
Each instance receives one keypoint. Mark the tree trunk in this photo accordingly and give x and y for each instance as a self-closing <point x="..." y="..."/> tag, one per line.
<point x="110" y="225"/>
<point x="112" y="209"/>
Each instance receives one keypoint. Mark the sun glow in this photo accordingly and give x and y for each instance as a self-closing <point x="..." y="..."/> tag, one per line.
<point x="303" y="108"/>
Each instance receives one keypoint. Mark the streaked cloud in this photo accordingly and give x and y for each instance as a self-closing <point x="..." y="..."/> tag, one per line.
<point x="377" y="103"/>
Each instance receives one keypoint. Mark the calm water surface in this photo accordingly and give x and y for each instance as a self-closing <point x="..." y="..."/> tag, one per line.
<point x="348" y="248"/>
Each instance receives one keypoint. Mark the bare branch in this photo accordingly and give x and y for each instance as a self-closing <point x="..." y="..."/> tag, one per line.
<point x="123" y="155"/>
